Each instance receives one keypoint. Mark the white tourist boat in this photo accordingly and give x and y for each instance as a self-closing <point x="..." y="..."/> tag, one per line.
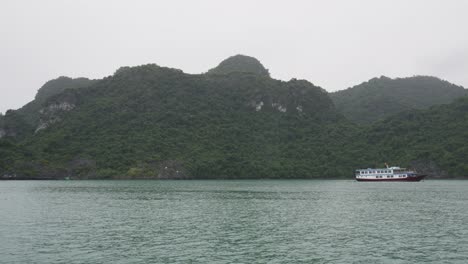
<point x="388" y="174"/>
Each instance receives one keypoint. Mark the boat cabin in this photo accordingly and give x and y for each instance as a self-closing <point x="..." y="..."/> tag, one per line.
<point x="390" y="172"/>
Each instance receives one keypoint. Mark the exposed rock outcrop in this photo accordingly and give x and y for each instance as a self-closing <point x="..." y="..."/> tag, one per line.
<point x="53" y="114"/>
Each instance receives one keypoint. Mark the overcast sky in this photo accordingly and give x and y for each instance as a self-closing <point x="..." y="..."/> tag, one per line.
<point x="333" y="44"/>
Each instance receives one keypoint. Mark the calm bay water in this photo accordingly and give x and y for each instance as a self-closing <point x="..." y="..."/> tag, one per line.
<point x="264" y="221"/>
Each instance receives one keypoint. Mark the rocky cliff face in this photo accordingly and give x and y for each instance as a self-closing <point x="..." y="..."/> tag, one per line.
<point x="53" y="113"/>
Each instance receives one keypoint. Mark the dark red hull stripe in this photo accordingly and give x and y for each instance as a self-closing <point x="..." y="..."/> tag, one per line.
<point x="413" y="179"/>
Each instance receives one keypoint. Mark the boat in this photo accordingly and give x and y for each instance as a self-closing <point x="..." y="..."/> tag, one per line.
<point x="388" y="174"/>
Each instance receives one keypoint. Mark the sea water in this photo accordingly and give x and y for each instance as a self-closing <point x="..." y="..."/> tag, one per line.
<point x="223" y="221"/>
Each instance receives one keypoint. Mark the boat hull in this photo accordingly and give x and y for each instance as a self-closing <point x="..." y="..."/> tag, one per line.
<point x="408" y="179"/>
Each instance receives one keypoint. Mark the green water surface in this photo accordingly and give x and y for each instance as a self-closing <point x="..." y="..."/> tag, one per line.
<point x="250" y="221"/>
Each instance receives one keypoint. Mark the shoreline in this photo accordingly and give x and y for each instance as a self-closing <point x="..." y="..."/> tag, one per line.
<point x="214" y="179"/>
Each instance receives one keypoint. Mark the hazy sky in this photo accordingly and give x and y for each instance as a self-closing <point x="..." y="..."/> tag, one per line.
<point x="333" y="44"/>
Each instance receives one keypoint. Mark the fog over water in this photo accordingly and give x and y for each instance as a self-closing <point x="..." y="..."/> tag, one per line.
<point x="334" y="44"/>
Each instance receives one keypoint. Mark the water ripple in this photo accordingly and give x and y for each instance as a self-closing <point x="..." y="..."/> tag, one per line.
<point x="233" y="222"/>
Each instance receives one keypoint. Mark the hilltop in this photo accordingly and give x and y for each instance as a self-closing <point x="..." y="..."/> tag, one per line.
<point x="240" y="63"/>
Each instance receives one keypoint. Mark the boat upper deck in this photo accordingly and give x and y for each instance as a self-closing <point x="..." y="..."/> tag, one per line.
<point x="389" y="170"/>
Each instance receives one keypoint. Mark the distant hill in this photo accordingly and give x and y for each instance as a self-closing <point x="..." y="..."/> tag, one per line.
<point x="240" y="63"/>
<point x="432" y="140"/>
<point x="24" y="120"/>
<point x="382" y="97"/>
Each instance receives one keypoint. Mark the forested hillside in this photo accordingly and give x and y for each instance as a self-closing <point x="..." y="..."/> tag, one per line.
<point x="434" y="139"/>
<point x="235" y="121"/>
<point x="150" y="121"/>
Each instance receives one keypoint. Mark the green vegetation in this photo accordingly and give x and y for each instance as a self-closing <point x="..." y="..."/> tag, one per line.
<point x="433" y="139"/>
<point x="382" y="97"/>
<point x="240" y="63"/>
<point x="155" y="122"/>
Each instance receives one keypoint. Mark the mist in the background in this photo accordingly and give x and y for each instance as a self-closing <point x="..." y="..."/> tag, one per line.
<point x="334" y="44"/>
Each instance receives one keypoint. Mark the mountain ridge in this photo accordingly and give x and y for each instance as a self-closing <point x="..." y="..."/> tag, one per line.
<point x="156" y="122"/>
<point x="146" y="118"/>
